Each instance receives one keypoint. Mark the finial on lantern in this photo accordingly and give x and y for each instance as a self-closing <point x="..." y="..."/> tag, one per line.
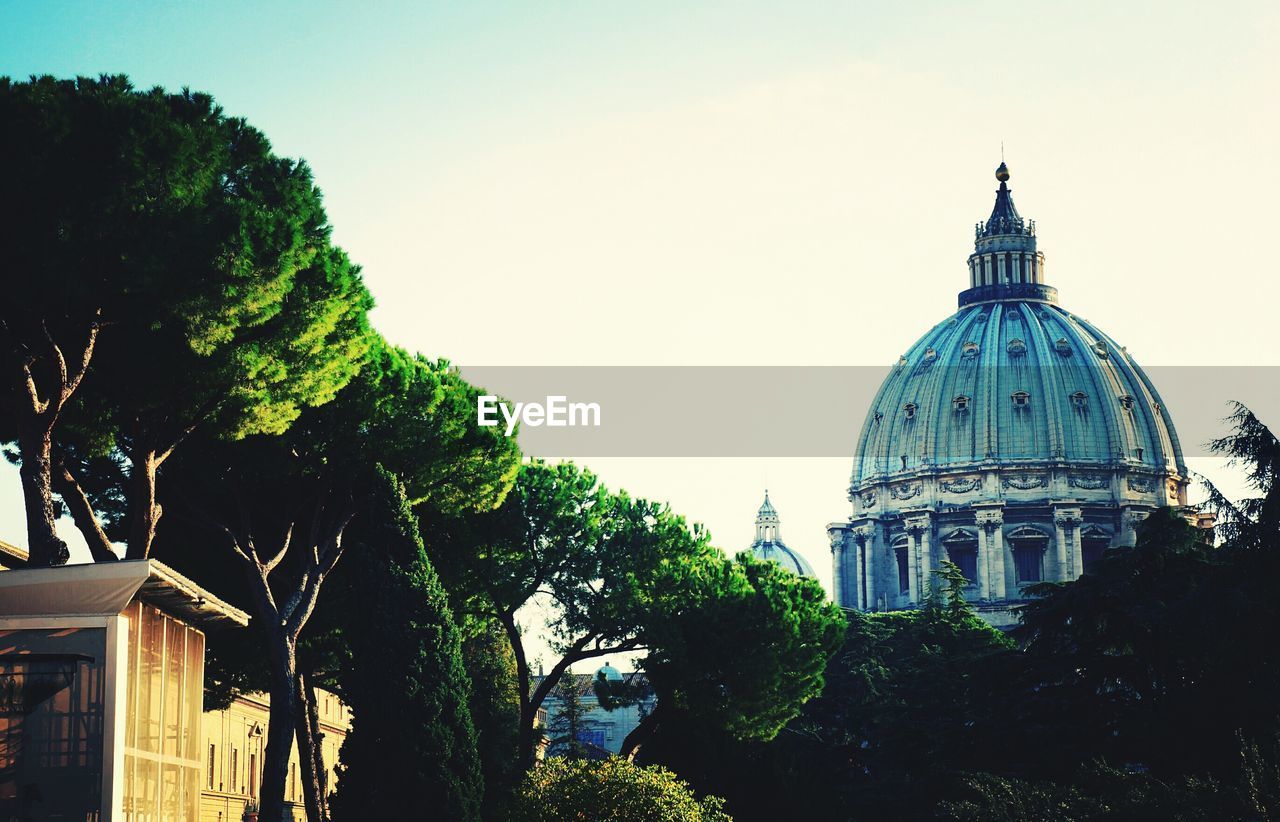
<point x="1002" y="173"/>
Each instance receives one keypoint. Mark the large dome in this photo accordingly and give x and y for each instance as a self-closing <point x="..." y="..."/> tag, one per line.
<point x="1014" y="439"/>
<point x="1014" y="383"/>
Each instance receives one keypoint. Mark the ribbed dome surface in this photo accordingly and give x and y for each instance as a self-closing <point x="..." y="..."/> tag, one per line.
<point x="778" y="552"/>
<point x="1014" y="382"/>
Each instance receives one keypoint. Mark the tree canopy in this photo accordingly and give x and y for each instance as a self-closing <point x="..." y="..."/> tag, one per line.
<point x="175" y="274"/>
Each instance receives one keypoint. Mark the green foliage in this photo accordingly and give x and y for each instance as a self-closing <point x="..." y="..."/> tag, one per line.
<point x="1096" y="793"/>
<point x="495" y="711"/>
<point x="745" y="648"/>
<point x="412" y="744"/>
<point x="606" y="562"/>
<point x="613" y="790"/>
<point x="203" y="258"/>
<point x="1152" y="657"/>
<point x="570" y="722"/>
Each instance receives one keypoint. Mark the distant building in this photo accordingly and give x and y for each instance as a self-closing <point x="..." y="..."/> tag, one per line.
<point x="1015" y="439"/>
<point x="233" y="742"/>
<point x="607" y="729"/>
<point x="769" y="546"/>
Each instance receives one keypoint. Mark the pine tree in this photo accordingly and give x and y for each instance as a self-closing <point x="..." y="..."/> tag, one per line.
<point x="571" y="722"/>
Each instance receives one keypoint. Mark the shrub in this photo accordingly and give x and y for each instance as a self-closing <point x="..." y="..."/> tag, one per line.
<point x="613" y="789"/>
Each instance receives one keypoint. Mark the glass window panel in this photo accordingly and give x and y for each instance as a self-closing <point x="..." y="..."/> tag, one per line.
<point x="174" y="658"/>
<point x="51" y="722"/>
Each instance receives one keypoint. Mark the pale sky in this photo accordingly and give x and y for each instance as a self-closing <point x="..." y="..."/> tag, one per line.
<point x="742" y="183"/>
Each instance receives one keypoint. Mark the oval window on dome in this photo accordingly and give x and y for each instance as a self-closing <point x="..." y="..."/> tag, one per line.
<point x="961" y="403"/>
<point x="1017" y="346"/>
<point x="1126" y="402"/>
<point x="1100" y="348"/>
<point x="969" y="349"/>
<point x="1063" y="347"/>
<point x="1021" y="399"/>
<point x="909" y="410"/>
<point x="930" y="355"/>
<point x="1080" y="400"/>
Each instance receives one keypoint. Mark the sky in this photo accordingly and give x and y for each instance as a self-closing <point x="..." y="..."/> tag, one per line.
<point x="741" y="183"/>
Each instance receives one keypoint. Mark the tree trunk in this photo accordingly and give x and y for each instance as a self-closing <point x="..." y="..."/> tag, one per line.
<point x="528" y="714"/>
<point x="310" y="753"/>
<point x="35" y="446"/>
<point x="640" y="734"/>
<point x="144" y="511"/>
<point x="77" y="502"/>
<point x="280" y="728"/>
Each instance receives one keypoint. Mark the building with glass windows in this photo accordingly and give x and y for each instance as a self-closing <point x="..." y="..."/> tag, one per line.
<point x="102" y="690"/>
<point x="1015" y="439"/>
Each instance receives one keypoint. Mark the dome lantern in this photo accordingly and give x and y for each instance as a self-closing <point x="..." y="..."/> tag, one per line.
<point x="1005" y="263"/>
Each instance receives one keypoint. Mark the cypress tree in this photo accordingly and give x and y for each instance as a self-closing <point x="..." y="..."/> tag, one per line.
<point x="412" y="745"/>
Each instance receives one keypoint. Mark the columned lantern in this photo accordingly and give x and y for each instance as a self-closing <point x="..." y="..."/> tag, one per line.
<point x="768" y="544"/>
<point x="1014" y="439"/>
<point x="101" y="691"/>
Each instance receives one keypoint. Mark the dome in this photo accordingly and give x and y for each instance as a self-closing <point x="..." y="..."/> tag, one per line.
<point x="1016" y="383"/>
<point x="610" y="673"/>
<point x="1015" y="440"/>
<point x="769" y="546"/>
<point x="778" y="552"/>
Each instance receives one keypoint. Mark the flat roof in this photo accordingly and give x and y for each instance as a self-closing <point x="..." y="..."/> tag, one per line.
<point x="107" y="588"/>
<point x="11" y="556"/>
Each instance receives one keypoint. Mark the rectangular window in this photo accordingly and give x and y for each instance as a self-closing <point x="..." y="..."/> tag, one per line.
<point x="1092" y="551"/>
<point x="904" y="571"/>
<point x="253" y="774"/>
<point x="1027" y="561"/>
<point x="966" y="559"/>
<point x="235" y="770"/>
<point x="212" y="758"/>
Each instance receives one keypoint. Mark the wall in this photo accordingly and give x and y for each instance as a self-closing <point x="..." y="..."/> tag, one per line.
<point x="232" y="747"/>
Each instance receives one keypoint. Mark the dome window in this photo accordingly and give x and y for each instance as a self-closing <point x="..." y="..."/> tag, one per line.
<point x="878" y="416"/>
<point x="930" y="355"/>
<point x="1021" y="399"/>
<point x="909" y="410"/>
<point x="904" y="566"/>
<point x="1080" y="400"/>
<point x="1028" y="548"/>
<point x="1063" y="347"/>
<point x="1100" y="348"/>
<point x="969" y="349"/>
<point x="1093" y="544"/>
<point x="961" y="403"/>
<point x="1017" y="347"/>
<point x="962" y="550"/>
<point x="1126" y="402"/>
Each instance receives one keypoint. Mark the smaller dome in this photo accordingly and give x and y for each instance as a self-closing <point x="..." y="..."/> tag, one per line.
<point x="1002" y="173"/>
<point x="610" y="673"/>
<point x="769" y="546"/>
<point x="778" y="552"/>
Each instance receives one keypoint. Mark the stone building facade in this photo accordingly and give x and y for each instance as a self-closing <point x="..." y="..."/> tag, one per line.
<point x="1015" y="439"/>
